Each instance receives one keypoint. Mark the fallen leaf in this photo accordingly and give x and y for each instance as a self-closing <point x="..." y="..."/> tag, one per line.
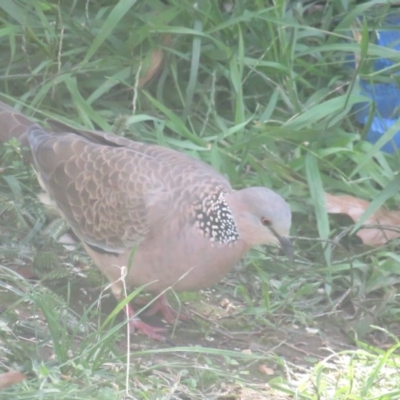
<point x="155" y="63"/>
<point x="227" y="305"/>
<point x="354" y="208"/>
<point x="11" y="378"/>
<point x="265" y="370"/>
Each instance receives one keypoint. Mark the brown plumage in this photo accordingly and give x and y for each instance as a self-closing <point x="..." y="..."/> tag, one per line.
<point x="184" y="222"/>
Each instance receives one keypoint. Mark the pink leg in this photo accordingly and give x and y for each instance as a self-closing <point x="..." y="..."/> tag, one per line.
<point x="136" y="324"/>
<point x="169" y="314"/>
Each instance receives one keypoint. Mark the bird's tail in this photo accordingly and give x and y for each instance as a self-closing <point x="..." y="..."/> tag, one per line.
<point x="13" y="124"/>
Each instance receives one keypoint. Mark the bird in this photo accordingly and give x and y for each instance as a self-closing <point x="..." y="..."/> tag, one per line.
<point x="149" y="215"/>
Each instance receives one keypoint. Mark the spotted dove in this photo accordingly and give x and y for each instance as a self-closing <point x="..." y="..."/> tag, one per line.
<point x="171" y="220"/>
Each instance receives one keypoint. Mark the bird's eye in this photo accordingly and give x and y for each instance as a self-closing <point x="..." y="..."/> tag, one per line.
<point x="266" y="221"/>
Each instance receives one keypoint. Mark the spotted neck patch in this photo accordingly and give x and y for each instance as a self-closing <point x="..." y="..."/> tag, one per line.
<point x="215" y="220"/>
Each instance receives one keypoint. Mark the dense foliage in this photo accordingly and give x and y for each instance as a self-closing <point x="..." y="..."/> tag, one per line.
<point x="263" y="91"/>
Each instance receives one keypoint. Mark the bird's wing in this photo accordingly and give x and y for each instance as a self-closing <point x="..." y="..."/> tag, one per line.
<point x="13" y="124"/>
<point x="111" y="190"/>
<point x="100" y="190"/>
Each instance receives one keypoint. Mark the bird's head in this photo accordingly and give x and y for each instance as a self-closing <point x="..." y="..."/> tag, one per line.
<point x="263" y="217"/>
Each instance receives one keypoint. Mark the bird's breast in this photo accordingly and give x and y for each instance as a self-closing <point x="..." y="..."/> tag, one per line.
<point x="187" y="265"/>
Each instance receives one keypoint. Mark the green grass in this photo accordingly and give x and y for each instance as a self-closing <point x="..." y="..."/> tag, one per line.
<point x="264" y="93"/>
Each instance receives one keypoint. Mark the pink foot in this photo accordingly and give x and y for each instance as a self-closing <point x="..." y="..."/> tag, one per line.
<point x="137" y="325"/>
<point x="169" y="314"/>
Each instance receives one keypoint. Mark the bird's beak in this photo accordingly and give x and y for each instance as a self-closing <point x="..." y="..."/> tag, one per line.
<point x="287" y="247"/>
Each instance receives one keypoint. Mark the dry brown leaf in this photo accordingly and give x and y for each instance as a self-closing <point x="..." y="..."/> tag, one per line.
<point x="157" y="58"/>
<point x="11" y="378"/>
<point x="156" y="62"/>
<point x="265" y="370"/>
<point x="227" y="305"/>
<point x="354" y="208"/>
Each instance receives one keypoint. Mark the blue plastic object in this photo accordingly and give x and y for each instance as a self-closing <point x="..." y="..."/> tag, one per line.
<point x="386" y="96"/>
